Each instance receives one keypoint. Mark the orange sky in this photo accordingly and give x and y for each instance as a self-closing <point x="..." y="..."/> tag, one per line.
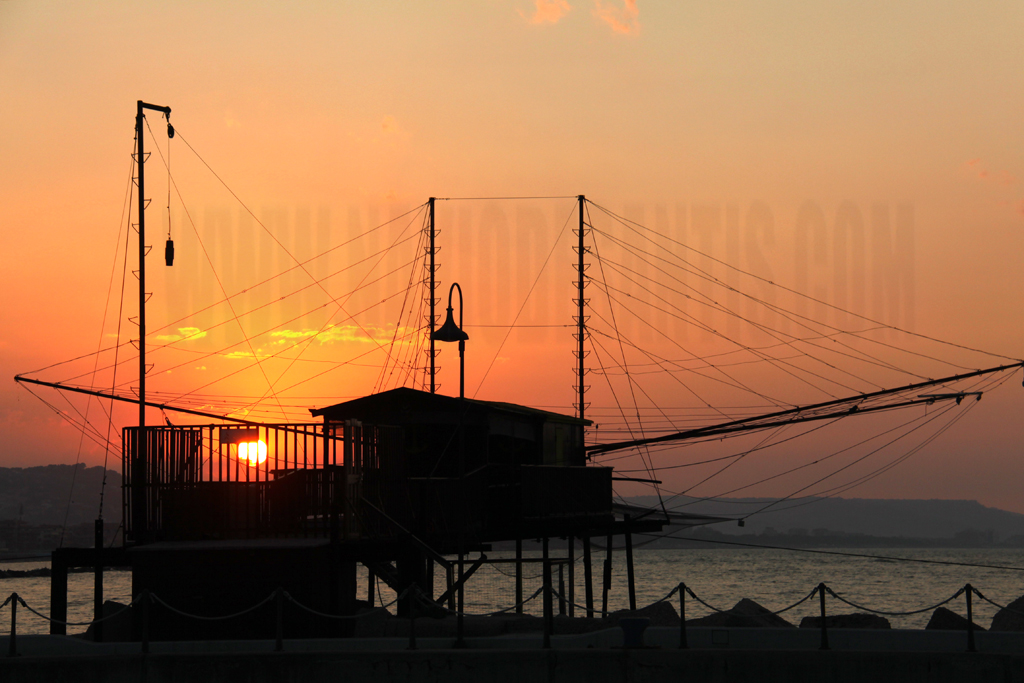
<point x="698" y="120"/>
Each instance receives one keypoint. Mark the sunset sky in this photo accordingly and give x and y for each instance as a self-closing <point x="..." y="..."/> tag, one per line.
<point x="760" y="134"/>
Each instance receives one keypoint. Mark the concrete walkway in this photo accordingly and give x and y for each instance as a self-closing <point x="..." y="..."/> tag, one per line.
<point x="519" y="666"/>
<point x="772" y="639"/>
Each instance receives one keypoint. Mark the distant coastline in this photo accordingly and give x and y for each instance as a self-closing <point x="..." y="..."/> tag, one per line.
<point x="848" y="522"/>
<point x="710" y="538"/>
<point x="36" y="501"/>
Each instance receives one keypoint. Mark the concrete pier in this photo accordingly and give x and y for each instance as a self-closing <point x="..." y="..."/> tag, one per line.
<point x="535" y="666"/>
<point x="717" y="656"/>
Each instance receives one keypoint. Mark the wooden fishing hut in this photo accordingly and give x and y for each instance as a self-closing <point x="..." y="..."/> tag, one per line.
<point x="217" y="517"/>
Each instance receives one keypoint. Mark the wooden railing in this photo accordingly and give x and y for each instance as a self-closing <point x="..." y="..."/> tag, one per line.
<point x="193" y="484"/>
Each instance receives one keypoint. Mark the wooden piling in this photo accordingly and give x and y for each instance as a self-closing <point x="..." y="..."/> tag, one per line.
<point x="630" y="575"/>
<point x="588" y="577"/>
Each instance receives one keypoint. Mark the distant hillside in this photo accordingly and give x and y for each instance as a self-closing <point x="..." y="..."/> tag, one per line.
<point x="875" y="517"/>
<point x="39" y="495"/>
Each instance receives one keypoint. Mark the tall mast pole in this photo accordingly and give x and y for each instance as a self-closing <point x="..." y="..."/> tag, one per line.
<point x="433" y="301"/>
<point x="140" y="465"/>
<point x="581" y="318"/>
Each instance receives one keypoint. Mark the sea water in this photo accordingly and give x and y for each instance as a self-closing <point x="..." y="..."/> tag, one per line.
<point x="773" y="578"/>
<point x="913" y="579"/>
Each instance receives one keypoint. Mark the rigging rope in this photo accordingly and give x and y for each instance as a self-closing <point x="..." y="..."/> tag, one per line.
<point x="647" y="462"/>
<point x="522" y="307"/>
<point x="787" y="315"/>
<point x="209" y="261"/>
<point x="759" y="327"/>
<point x="633" y="225"/>
<point x="113" y="381"/>
<point x="279" y="244"/>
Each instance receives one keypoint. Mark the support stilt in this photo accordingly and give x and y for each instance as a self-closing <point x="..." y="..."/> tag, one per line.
<point x="58" y="596"/>
<point x="630" y="576"/>
<point x="561" y="588"/>
<point x="570" y="554"/>
<point x="98" y="581"/>
<point x="519" y="576"/>
<point x="588" y="576"/>
<point x="607" y="576"/>
<point x="548" y="603"/>
<point x="428" y="578"/>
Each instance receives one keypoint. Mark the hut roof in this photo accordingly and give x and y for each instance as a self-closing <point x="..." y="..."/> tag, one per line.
<point x="405" y="405"/>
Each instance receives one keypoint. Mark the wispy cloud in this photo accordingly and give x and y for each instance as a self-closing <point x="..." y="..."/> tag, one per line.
<point x="246" y="355"/>
<point x="343" y="333"/>
<point x="547" y="11"/>
<point x="184" y="333"/>
<point x="624" y="19"/>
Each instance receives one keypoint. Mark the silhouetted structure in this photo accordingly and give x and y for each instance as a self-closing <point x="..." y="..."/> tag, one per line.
<point x="223" y="515"/>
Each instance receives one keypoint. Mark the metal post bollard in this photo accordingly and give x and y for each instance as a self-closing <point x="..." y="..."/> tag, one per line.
<point x="682" y="617"/>
<point x="460" y="618"/>
<point x="968" y="589"/>
<point x="548" y="598"/>
<point x="547" y="614"/>
<point x="279" y="600"/>
<point x="12" y="650"/>
<point x="561" y="590"/>
<point x="824" y="627"/>
<point x="145" y="621"/>
<point x="412" y="625"/>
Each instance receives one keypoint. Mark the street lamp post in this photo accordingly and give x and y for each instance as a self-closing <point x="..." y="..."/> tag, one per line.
<point x="450" y="332"/>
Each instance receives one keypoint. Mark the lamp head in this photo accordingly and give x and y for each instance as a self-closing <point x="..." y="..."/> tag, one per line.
<point x="449" y="332"/>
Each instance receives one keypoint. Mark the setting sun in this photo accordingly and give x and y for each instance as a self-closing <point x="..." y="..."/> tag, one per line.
<point x="253" y="453"/>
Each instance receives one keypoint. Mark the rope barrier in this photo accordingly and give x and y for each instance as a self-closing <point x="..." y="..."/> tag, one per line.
<point x="298" y="604"/>
<point x="259" y="604"/>
<point x="668" y="596"/>
<point x="701" y="601"/>
<point x="996" y="604"/>
<point x="24" y="604"/>
<point x="732" y="609"/>
<point x="415" y="591"/>
<point x="894" y="614"/>
<point x="554" y="592"/>
<point x="798" y="602"/>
